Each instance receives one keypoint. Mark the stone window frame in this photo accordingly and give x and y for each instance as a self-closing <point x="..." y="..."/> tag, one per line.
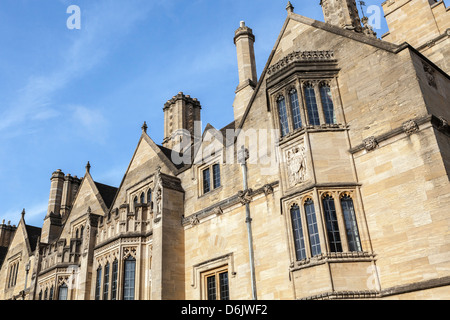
<point x="298" y="83"/>
<point x="317" y="195"/>
<point x="215" y="272"/>
<point x="201" y="170"/>
<point x="13" y="270"/>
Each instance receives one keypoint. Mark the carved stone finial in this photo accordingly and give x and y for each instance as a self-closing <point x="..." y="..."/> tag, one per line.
<point x="144" y="127"/>
<point x="88" y="167"/>
<point x="23" y="213"/>
<point x="289" y="7"/>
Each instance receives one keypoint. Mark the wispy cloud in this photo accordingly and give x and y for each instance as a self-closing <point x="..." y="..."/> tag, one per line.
<point x="104" y="22"/>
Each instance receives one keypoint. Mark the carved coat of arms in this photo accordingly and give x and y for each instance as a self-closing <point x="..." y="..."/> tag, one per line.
<point x="296" y="165"/>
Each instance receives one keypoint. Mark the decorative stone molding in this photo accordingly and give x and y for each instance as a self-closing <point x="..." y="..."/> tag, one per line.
<point x="301" y="56"/>
<point x="268" y="189"/>
<point x="245" y="196"/>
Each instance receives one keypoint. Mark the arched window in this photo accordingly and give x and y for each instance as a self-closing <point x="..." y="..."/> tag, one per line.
<point x="46" y="294"/>
<point x="115" y="269"/>
<point x="98" y="283"/>
<point x="299" y="241"/>
<point x="284" y="126"/>
<point x="82" y="231"/>
<point x="327" y="104"/>
<point x="129" y="278"/>
<point x="334" y="238"/>
<point x="295" y="107"/>
<point x="313" y="230"/>
<point x="142" y="197"/>
<point x="63" y="292"/>
<point x="351" y="227"/>
<point x="311" y="105"/>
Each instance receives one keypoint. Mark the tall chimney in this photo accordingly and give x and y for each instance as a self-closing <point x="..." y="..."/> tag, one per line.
<point x="244" y="41"/>
<point x="56" y="192"/>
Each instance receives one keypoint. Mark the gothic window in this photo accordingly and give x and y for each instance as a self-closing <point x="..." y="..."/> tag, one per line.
<point x="63" y="292"/>
<point x="115" y="267"/>
<point x="299" y="241"/>
<point x="98" y="283"/>
<point x="142" y="198"/>
<point x="311" y="104"/>
<point x="282" y="112"/>
<point x="129" y="278"/>
<point x="334" y="238"/>
<point x="51" y="294"/>
<point x="106" y="282"/>
<point x="295" y="108"/>
<point x="46" y="294"/>
<point x="327" y="103"/>
<point x="216" y="284"/>
<point x="313" y="230"/>
<point x="351" y="228"/>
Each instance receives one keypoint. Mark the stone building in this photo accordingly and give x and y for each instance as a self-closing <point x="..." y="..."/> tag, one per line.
<point x="332" y="182"/>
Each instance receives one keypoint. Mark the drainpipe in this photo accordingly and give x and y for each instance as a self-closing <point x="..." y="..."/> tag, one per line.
<point x="243" y="155"/>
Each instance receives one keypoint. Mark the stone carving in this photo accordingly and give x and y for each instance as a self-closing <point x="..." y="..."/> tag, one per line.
<point x="296" y="165"/>
<point x="245" y="196"/>
<point x="370" y="143"/>
<point x="268" y="189"/>
<point x="325" y="55"/>
<point x="410" y="127"/>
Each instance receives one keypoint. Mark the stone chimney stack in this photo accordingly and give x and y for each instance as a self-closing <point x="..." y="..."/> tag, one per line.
<point x="69" y="191"/>
<point x="244" y="41"/>
<point x="52" y="222"/>
<point x="56" y="192"/>
<point x="342" y="13"/>
<point x="181" y="115"/>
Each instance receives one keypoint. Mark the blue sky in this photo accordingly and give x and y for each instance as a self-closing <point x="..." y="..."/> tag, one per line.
<point x="72" y="96"/>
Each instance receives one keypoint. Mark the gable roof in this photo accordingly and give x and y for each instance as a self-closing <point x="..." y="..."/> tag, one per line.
<point x="323" y="26"/>
<point x="34" y="233"/>
<point x="106" y="192"/>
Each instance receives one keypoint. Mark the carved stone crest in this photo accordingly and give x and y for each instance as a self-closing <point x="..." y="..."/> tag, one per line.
<point x="296" y="165"/>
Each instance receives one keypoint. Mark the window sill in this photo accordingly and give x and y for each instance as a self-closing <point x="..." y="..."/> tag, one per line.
<point x="332" y="257"/>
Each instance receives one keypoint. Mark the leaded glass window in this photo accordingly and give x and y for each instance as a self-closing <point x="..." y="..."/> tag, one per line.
<point x="106" y="283"/>
<point x="334" y="238"/>
<point x="206" y="181"/>
<point x="98" y="283"/>
<point x="311" y="105"/>
<point x="129" y="278"/>
<point x="295" y="107"/>
<point x="313" y="230"/>
<point x="284" y="126"/>
<point x="299" y="241"/>
<point x="327" y="104"/>
<point x="63" y="292"/>
<point x="351" y="227"/>
<point x="115" y="269"/>
<point x="216" y="175"/>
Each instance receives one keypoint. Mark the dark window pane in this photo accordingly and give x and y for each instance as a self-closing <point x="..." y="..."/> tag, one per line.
<point x="334" y="238"/>
<point x="295" y="109"/>
<point x="63" y="290"/>
<point x="351" y="228"/>
<point x="311" y="106"/>
<point x="98" y="284"/>
<point x="216" y="175"/>
<point x="298" y="233"/>
<point x="224" y="291"/>
<point x="106" y="283"/>
<point x="114" y="280"/>
<point x="206" y="181"/>
<point x="211" y="287"/>
<point x="283" y="116"/>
